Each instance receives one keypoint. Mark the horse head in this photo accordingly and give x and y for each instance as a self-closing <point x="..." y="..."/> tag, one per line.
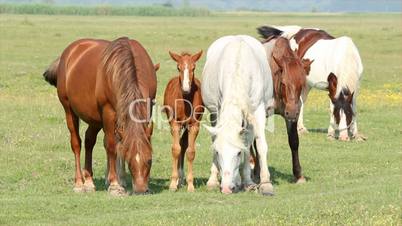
<point x="186" y="66"/>
<point x="289" y="76"/>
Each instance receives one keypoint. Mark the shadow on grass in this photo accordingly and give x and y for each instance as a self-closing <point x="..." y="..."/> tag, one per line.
<point x="277" y="175"/>
<point x="157" y="185"/>
<point x="318" y="130"/>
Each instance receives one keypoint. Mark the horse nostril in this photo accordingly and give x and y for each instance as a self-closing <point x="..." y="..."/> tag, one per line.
<point x="287" y="113"/>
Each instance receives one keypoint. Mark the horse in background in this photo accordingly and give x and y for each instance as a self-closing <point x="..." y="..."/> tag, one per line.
<point x="337" y="68"/>
<point x="184" y="108"/>
<point x="107" y="85"/>
<point x="289" y="73"/>
<point x="237" y="90"/>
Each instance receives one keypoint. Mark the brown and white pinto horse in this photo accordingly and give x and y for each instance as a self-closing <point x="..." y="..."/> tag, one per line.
<point x="337" y="68"/>
<point x="105" y="84"/>
<point x="184" y="108"/>
<point x="289" y="73"/>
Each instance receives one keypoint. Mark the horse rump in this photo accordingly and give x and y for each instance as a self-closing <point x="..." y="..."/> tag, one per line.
<point x="50" y="74"/>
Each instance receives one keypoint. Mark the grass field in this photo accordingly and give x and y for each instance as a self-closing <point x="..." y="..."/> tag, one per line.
<point x="347" y="183"/>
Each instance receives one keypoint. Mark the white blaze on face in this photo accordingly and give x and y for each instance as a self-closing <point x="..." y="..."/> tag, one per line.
<point x="343" y="128"/>
<point x="186" y="79"/>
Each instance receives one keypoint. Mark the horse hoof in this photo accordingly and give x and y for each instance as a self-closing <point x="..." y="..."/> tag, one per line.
<point x="331" y="137"/>
<point x="266" y="189"/>
<point x="360" y="138"/>
<point x="79" y="189"/>
<point x="301" y="180"/>
<point x="190" y="189"/>
<point x="89" y="188"/>
<point x="250" y="187"/>
<point x="212" y="185"/>
<point x="116" y="190"/>
<point x="173" y="186"/>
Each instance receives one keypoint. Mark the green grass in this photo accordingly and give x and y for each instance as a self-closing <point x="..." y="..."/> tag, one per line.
<point x="348" y="183"/>
<point x="102" y="10"/>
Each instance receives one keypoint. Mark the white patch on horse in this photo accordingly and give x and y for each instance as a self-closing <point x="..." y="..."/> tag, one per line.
<point x="137" y="158"/>
<point x="186" y="79"/>
<point x="293" y="44"/>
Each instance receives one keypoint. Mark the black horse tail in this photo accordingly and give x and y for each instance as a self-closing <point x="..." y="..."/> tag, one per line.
<point x="50" y="74"/>
<point x="268" y="32"/>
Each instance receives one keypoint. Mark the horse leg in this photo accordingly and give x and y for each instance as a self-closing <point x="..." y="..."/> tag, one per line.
<point x="246" y="172"/>
<point x="183" y="149"/>
<point x="109" y="119"/>
<point x="266" y="187"/>
<point x="255" y="159"/>
<point x="331" y="129"/>
<point x="293" y="140"/>
<point x="213" y="178"/>
<point x="75" y="141"/>
<point x="90" y="140"/>
<point x="192" y="136"/>
<point x="300" y="123"/>
<point x="176" y="149"/>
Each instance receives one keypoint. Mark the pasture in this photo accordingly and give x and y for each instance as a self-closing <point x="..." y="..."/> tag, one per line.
<point x="347" y="183"/>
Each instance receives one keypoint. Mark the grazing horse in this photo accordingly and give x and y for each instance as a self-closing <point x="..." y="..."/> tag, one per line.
<point x="337" y="68"/>
<point x="183" y="107"/>
<point x="289" y="73"/>
<point x="237" y="90"/>
<point x="107" y="85"/>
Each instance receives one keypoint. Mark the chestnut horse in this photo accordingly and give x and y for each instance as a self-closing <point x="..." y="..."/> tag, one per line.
<point x="184" y="108"/>
<point x="289" y="73"/>
<point x="106" y="84"/>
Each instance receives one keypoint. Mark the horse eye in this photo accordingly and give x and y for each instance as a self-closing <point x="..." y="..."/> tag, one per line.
<point x="238" y="154"/>
<point x="178" y="68"/>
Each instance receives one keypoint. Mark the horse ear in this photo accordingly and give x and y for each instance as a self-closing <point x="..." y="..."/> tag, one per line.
<point x="176" y="57"/>
<point x="332" y="84"/>
<point x="212" y="130"/>
<point x="157" y="66"/>
<point x="196" y="56"/>
<point x="306" y="65"/>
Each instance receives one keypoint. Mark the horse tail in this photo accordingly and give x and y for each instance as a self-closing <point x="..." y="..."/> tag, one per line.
<point x="50" y="74"/>
<point x="268" y="32"/>
<point x="118" y="65"/>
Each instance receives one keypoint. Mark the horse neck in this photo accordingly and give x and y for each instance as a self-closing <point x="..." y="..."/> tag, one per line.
<point x="229" y="123"/>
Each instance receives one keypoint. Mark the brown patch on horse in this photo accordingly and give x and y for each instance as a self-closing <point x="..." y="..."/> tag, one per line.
<point x="305" y="38"/>
<point x="341" y="101"/>
<point x="184" y="109"/>
<point x="289" y="77"/>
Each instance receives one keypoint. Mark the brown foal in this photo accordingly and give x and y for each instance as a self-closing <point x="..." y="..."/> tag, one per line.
<point x="184" y="108"/>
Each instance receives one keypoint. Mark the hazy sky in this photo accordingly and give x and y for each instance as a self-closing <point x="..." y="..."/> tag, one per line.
<point x="268" y="5"/>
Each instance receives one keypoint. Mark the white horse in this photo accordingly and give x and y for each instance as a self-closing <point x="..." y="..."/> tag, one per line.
<point x="338" y="68"/>
<point x="237" y="90"/>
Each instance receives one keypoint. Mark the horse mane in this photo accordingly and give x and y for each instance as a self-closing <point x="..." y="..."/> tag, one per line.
<point x="118" y="65"/>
